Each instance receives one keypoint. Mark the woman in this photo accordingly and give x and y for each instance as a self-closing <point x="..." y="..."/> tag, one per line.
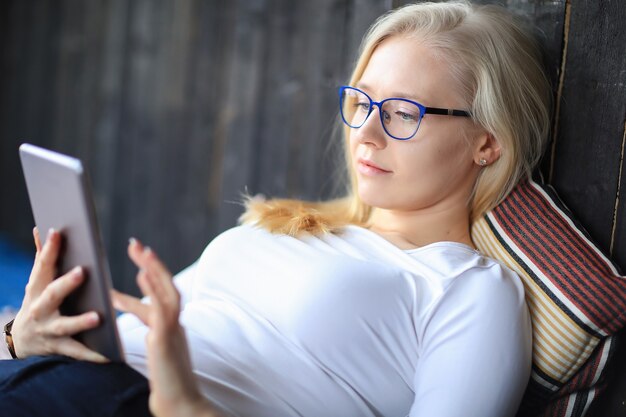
<point x="373" y="304"/>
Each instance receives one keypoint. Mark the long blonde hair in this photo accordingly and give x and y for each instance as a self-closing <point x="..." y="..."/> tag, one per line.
<point x="497" y="61"/>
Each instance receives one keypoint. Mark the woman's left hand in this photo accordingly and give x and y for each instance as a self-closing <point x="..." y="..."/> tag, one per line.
<point x="173" y="389"/>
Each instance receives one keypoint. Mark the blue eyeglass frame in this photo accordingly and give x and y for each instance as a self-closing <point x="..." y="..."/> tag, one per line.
<point x="423" y="110"/>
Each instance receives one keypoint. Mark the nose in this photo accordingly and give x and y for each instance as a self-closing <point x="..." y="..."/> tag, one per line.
<point x="372" y="132"/>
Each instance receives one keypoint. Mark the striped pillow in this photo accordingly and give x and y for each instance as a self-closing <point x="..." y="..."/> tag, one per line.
<point x="576" y="297"/>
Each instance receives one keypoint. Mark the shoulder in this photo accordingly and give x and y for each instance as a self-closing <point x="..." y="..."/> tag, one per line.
<point x="458" y="265"/>
<point x="489" y="287"/>
<point x="490" y="279"/>
<point x="474" y="282"/>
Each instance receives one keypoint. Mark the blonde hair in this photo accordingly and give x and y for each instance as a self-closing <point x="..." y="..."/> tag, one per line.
<point x="498" y="63"/>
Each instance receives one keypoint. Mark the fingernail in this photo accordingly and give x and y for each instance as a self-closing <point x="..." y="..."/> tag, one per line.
<point x="77" y="273"/>
<point x="132" y="241"/>
<point x="147" y="250"/>
<point x="50" y="232"/>
<point x="93" y="317"/>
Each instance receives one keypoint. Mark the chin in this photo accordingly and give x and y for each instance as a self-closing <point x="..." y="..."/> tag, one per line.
<point x="383" y="199"/>
<point x="376" y="199"/>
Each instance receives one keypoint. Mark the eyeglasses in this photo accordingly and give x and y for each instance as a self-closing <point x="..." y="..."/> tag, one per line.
<point x="400" y="117"/>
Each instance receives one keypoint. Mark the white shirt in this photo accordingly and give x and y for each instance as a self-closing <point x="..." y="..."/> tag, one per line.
<point x="350" y="325"/>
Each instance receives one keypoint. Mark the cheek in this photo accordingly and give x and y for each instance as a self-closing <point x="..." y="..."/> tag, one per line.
<point x="434" y="160"/>
<point x="429" y="175"/>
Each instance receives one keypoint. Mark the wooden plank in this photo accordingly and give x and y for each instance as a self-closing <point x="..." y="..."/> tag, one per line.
<point x="204" y="91"/>
<point x="279" y="85"/>
<point x="136" y="150"/>
<point x="345" y="28"/>
<point x="29" y="34"/>
<point x="173" y="115"/>
<point x="361" y="15"/>
<point x="320" y="94"/>
<point x="68" y="114"/>
<point x="12" y="188"/>
<point x="239" y="114"/>
<point x="307" y="49"/>
<point x="104" y="158"/>
<point x="225" y="35"/>
<point x="190" y="229"/>
<point x="618" y="238"/>
<point x="588" y="147"/>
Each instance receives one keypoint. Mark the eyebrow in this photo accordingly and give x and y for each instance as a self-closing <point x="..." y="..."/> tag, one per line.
<point x="366" y="87"/>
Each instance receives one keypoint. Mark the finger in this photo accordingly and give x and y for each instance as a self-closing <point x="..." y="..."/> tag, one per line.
<point x="44" y="269"/>
<point x="155" y="265"/>
<point x="160" y="281"/>
<point x="54" y="294"/>
<point x="146" y="259"/>
<point x="164" y="295"/>
<point x="157" y="304"/>
<point x="74" y="349"/>
<point x="161" y="278"/>
<point x="165" y="304"/>
<point x="142" y="255"/>
<point x="37" y="239"/>
<point x="135" y="250"/>
<point x="130" y="304"/>
<point x="68" y="326"/>
<point x="143" y="284"/>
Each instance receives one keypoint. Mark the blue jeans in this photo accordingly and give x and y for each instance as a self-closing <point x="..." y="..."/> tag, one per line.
<point x="60" y="386"/>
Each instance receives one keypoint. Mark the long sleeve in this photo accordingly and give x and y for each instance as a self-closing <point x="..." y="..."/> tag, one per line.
<point x="476" y="350"/>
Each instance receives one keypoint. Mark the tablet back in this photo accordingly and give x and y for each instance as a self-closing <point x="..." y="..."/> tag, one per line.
<point x="61" y="198"/>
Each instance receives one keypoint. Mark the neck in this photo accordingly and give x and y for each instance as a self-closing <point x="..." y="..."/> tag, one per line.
<point x="410" y="229"/>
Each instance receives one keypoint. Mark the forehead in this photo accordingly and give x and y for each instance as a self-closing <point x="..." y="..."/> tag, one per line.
<point x="408" y="67"/>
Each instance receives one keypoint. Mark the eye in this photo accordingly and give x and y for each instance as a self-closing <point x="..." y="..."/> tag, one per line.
<point x="407" y="116"/>
<point x="362" y="105"/>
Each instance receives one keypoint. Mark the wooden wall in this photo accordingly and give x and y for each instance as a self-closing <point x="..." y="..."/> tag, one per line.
<point x="178" y="106"/>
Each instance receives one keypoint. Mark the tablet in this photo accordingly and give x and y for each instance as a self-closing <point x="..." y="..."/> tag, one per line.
<point x="60" y="197"/>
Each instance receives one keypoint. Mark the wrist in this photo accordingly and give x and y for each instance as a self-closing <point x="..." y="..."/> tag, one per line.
<point x="188" y="405"/>
<point x="8" y="337"/>
<point x="202" y="408"/>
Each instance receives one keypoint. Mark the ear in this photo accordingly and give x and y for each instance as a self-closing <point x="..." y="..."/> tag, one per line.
<point x="486" y="149"/>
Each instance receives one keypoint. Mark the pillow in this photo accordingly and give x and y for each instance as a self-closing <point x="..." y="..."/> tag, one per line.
<point x="576" y="297"/>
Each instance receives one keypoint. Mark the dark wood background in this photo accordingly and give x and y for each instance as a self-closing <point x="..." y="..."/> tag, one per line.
<point x="177" y="107"/>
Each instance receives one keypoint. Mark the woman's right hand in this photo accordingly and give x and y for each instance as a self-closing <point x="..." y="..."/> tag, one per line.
<point x="39" y="328"/>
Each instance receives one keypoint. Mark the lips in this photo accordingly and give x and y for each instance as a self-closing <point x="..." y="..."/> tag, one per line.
<point x="370" y="168"/>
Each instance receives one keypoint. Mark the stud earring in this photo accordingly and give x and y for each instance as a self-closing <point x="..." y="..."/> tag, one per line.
<point x="482" y="162"/>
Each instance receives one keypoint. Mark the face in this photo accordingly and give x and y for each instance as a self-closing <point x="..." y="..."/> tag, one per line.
<point x="435" y="169"/>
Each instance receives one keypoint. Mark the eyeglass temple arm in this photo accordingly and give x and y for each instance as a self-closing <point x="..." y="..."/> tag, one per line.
<point x="446" y="112"/>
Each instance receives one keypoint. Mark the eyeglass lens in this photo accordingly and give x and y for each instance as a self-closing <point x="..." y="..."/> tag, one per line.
<point x="400" y="117"/>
